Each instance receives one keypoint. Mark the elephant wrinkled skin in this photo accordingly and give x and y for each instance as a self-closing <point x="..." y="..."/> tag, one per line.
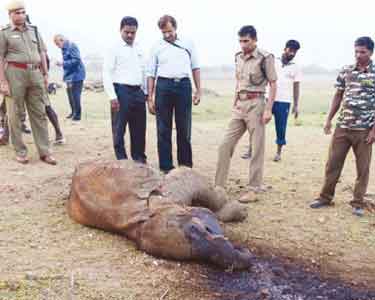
<point x="171" y="216"/>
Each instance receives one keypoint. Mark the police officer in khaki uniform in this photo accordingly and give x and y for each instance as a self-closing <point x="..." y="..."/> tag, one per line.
<point x="24" y="81"/>
<point x="255" y="69"/>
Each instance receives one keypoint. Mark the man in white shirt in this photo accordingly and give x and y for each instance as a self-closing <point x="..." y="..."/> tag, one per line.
<point x="172" y="62"/>
<point x="288" y="88"/>
<point x="125" y="82"/>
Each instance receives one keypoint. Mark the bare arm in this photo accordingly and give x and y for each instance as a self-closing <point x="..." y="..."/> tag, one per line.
<point x="335" y="105"/>
<point x="150" y="87"/>
<point x="371" y="137"/>
<point x="2" y="69"/>
<point x="236" y="95"/>
<point x="197" y="83"/>
<point x="150" y="92"/>
<point x="272" y="95"/>
<point x="267" y="115"/>
<point x="296" y="93"/>
<point x="44" y="67"/>
<point x="4" y="86"/>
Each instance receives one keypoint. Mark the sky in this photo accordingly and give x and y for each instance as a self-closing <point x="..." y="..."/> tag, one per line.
<point x="326" y="29"/>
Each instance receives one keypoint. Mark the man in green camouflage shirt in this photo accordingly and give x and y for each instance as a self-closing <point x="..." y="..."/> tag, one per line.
<point x="355" y="125"/>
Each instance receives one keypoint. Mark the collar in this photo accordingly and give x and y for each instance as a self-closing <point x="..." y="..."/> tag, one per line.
<point x="15" y="28"/>
<point x="175" y="41"/>
<point x="65" y="45"/>
<point x="254" y="54"/>
<point x="369" y="67"/>
<point x="125" y="44"/>
<point x="291" y="62"/>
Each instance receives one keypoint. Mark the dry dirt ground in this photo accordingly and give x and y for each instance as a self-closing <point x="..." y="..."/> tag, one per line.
<point x="45" y="255"/>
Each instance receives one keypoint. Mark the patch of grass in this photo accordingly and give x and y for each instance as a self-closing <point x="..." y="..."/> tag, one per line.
<point x="316" y="94"/>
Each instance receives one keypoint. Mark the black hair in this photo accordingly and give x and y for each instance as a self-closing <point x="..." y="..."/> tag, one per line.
<point x="293" y="44"/>
<point x="128" y="21"/>
<point x="365" y="41"/>
<point x="248" y="30"/>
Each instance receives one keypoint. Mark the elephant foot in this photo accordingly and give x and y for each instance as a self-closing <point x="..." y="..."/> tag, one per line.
<point x="232" y="212"/>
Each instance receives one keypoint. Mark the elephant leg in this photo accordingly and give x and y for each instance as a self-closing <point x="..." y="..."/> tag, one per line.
<point x="232" y="212"/>
<point x="217" y="201"/>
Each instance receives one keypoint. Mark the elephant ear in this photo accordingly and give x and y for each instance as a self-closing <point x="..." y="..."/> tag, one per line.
<point x="121" y="177"/>
<point x="146" y="180"/>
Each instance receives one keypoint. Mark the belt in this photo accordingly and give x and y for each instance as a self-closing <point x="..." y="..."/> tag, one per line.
<point x="174" y="79"/>
<point x="131" y="86"/>
<point x="244" y="96"/>
<point x="24" y="66"/>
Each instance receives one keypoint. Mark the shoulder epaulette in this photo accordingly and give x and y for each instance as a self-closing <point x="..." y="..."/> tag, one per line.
<point x="4" y="27"/>
<point x="237" y="54"/>
<point x="264" y="53"/>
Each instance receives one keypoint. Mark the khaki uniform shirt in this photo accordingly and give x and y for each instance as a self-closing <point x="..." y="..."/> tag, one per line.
<point x="254" y="71"/>
<point x="23" y="46"/>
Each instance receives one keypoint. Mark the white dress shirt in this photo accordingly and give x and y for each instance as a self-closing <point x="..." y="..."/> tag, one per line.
<point x="124" y="64"/>
<point x="287" y="75"/>
<point x="172" y="62"/>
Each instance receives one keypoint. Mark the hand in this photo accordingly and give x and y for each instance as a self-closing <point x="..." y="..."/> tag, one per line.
<point x="295" y="111"/>
<point x="151" y="105"/>
<point x="371" y="137"/>
<point x="4" y="88"/>
<point x="115" y="105"/>
<point x="267" y="116"/>
<point x="328" y="127"/>
<point x="197" y="97"/>
<point x="59" y="64"/>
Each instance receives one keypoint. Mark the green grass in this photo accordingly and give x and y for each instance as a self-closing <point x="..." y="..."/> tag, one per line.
<point x="316" y="95"/>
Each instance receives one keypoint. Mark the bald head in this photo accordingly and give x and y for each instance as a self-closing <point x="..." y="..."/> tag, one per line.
<point x="59" y="40"/>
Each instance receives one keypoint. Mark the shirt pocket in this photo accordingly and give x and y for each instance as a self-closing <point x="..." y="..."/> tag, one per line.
<point x="16" y="43"/>
<point x="256" y="76"/>
<point x="34" y="44"/>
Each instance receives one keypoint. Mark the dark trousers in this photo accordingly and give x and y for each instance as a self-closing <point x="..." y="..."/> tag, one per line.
<point x="74" y="90"/>
<point x="174" y="96"/>
<point x="133" y="112"/>
<point x="280" y="111"/>
<point x="342" y="141"/>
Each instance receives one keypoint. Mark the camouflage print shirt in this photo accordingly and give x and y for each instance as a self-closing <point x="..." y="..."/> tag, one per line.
<point x="358" y="105"/>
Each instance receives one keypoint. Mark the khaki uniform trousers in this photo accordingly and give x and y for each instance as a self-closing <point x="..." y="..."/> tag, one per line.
<point x="27" y="89"/>
<point x="246" y="116"/>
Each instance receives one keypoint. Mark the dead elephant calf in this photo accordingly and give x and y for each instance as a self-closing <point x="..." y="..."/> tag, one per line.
<point x="173" y="216"/>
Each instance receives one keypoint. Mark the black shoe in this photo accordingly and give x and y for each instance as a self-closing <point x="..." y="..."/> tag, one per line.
<point x="25" y="129"/>
<point x="69" y="116"/>
<point x="140" y="161"/>
<point x="165" y="172"/>
<point x="76" y="119"/>
<point x="318" y="203"/>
